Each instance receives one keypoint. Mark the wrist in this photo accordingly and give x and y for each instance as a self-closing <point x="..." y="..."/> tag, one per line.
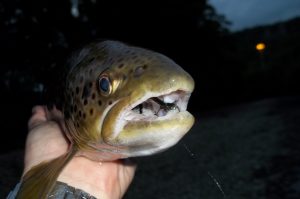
<point x="84" y="174"/>
<point x="63" y="190"/>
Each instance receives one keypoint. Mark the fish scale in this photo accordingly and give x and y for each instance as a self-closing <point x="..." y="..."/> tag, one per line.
<point x="104" y="82"/>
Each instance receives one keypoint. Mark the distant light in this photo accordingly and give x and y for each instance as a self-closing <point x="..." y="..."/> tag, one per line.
<point x="75" y="12"/>
<point x="260" y="47"/>
<point x="38" y="88"/>
<point x="74" y="8"/>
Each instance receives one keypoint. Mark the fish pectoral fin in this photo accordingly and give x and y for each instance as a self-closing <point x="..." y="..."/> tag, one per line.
<point x="39" y="181"/>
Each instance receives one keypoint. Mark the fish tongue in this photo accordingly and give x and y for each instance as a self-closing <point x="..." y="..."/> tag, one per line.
<point x="162" y="112"/>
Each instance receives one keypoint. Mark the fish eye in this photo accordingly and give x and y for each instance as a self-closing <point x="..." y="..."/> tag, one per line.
<point x="104" y="85"/>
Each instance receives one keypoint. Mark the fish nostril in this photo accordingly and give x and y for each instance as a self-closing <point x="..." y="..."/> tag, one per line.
<point x="139" y="71"/>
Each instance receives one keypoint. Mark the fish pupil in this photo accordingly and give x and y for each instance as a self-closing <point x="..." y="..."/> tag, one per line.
<point x="104" y="85"/>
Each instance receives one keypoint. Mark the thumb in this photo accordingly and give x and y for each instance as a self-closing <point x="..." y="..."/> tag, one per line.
<point x="38" y="116"/>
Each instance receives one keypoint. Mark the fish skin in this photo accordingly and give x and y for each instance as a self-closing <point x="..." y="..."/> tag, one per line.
<point x="96" y="123"/>
<point x="134" y="73"/>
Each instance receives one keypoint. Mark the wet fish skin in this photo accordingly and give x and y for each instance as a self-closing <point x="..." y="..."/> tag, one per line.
<point x="103" y="126"/>
<point x="95" y="121"/>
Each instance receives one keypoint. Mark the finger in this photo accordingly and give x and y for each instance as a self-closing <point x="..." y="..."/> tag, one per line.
<point x="38" y="116"/>
<point x="54" y="114"/>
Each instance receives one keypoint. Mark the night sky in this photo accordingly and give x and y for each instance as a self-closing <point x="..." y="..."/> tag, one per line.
<point x="250" y="13"/>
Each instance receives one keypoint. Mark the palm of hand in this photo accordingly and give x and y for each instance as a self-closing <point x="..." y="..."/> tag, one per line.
<point x="46" y="141"/>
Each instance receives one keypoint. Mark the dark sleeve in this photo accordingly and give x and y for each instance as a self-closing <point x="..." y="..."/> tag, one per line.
<point x="61" y="191"/>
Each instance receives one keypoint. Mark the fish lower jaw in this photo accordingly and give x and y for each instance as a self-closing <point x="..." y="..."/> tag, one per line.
<point x="147" y="138"/>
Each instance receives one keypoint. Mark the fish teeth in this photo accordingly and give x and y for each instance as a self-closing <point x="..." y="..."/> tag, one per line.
<point x="168" y="99"/>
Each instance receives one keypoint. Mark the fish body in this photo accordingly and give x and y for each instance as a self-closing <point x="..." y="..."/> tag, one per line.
<point x="119" y="101"/>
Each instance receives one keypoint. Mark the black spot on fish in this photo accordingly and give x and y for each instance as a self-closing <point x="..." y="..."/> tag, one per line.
<point x="77" y="124"/>
<point x="86" y="91"/>
<point x="71" y="109"/>
<point x="110" y="103"/>
<point x="91" y="59"/>
<point x="120" y="60"/>
<point x="91" y="84"/>
<point x="93" y="96"/>
<point x="79" y="113"/>
<point x="84" y="115"/>
<point x="91" y="111"/>
<point x="80" y="63"/>
<point x="75" y="108"/>
<point x="85" y="102"/>
<point x="99" y="102"/>
<point x="99" y="57"/>
<point x="67" y="114"/>
<point x="91" y="71"/>
<point x="121" y="66"/>
<point x="136" y="61"/>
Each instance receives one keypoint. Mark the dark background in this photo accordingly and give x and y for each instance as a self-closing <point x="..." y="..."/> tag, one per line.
<point x="37" y="36"/>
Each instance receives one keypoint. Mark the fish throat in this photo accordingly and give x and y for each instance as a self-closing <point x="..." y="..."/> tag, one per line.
<point x="158" y="107"/>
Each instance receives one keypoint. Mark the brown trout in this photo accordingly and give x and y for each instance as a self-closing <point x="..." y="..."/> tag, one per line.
<point x="119" y="101"/>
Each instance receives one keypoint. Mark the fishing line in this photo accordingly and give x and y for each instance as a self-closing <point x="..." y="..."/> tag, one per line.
<point x="193" y="156"/>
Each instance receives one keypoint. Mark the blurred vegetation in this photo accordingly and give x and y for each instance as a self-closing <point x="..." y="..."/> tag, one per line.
<point x="38" y="35"/>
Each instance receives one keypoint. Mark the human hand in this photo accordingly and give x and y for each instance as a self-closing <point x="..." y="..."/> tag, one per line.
<point x="45" y="141"/>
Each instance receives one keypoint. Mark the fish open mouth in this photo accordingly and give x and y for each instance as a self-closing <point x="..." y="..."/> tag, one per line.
<point x="159" y="107"/>
<point x="150" y="124"/>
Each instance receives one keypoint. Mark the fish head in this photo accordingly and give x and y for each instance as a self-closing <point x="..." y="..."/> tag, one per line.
<point x="130" y="101"/>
